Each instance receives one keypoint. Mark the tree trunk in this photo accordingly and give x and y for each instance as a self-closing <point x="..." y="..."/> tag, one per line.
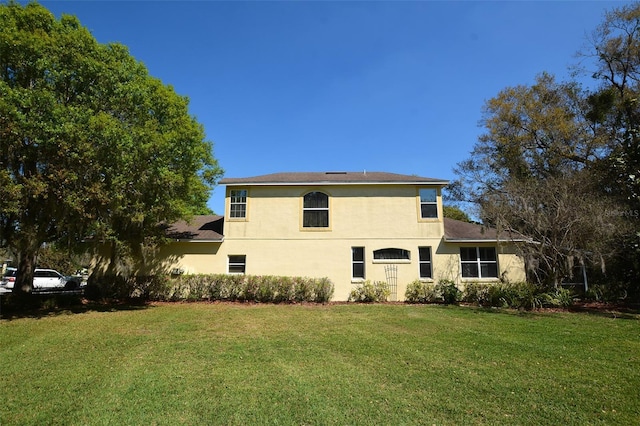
<point x="24" y="275"/>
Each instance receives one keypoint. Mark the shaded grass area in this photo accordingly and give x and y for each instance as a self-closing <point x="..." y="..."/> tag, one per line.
<point x="306" y="364"/>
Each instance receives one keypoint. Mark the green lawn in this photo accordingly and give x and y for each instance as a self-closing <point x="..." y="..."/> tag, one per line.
<point x="339" y="364"/>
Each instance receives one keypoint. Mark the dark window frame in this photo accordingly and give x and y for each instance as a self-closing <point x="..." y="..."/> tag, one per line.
<point x="237" y="263"/>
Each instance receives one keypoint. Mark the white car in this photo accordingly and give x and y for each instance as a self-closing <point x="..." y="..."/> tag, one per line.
<point x="42" y="279"/>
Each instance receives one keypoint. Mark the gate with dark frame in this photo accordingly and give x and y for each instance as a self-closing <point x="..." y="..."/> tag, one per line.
<point x="391" y="273"/>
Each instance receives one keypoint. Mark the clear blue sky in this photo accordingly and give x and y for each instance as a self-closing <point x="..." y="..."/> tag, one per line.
<point x="329" y="85"/>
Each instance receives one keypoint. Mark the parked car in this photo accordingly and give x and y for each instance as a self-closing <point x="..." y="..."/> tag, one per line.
<point x="8" y="278"/>
<point x="42" y="279"/>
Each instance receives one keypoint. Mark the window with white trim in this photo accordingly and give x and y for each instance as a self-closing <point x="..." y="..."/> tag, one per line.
<point x="237" y="263"/>
<point x="392" y="254"/>
<point x="238" y="203"/>
<point x="315" y="210"/>
<point x="479" y="262"/>
<point x="428" y="203"/>
<point x="357" y="262"/>
<point x="424" y="260"/>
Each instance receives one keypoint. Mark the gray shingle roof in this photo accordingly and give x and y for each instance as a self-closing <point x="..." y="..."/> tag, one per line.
<point x="332" y="178"/>
<point x="458" y="231"/>
<point x="200" y="228"/>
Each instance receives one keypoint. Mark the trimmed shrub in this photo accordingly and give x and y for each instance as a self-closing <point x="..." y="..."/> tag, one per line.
<point x="448" y="292"/>
<point x="322" y="290"/>
<point x="248" y="288"/>
<point x="368" y="292"/>
<point x="420" y="292"/>
<point x="476" y="293"/>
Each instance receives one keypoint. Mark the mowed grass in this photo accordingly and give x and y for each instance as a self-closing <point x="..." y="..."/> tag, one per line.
<point x="237" y="364"/>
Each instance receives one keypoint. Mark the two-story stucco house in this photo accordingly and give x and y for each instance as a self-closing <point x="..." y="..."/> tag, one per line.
<point x="347" y="226"/>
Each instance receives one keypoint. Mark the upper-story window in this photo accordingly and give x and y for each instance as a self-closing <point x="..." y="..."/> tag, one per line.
<point x="428" y="203"/>
<point x="315" y="210"/>
<point x="238" y="203"/>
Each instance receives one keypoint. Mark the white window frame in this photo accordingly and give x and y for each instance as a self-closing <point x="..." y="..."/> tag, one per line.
<point x="315" y="209"/>
<point x="355" y="262"/>
<point x="403" y="259"/>
<point x="425" y="202"/>
<point x="478" y="263"/>
<point x="242" y="203"/>
<point x="422" y="261"/>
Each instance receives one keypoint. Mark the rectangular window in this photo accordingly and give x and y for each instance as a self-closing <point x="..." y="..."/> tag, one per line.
<point x="479" y="262"/>
<point x="237" y="263"/>
<point x="424" y="254"/>
<point x="392" y="254"/>
<point x="357" y="262"/>
<point x="238" y="203"/>
<point x="428" y="203"/>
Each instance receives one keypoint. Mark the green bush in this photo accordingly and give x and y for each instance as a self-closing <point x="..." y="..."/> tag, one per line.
<point x="369" y="292"/>
<point x="476" y="293"/>
<point x="420" y="292"/>
<point x="518" y="295"/>
<point x="448" y="292"/>
<point x="445" y="291"/>
<point x="223" y="287"/>
<point x="558" y="298"/>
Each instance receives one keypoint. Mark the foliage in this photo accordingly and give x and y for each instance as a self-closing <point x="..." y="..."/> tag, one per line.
<point x="420" y="292"/>
<point x="517" y="295"/>
<point x="530" y="175"/>
<point x="444" y="291"/>
<point x="368" y="292"/>
<point x="214" y="287"/>
<point x="91" y="143"/>
<point x="448" y="292"/>
<point x="559" y="164"/>
<point x="454" y="212"/>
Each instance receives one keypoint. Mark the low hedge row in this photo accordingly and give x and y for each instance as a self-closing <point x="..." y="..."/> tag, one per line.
<point x="213" y="287"/>
<point x="519" y="295"/>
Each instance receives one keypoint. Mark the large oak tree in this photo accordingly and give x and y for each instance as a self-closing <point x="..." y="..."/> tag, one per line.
<point x="562" y="165"/>
<point x="90" y="143"/>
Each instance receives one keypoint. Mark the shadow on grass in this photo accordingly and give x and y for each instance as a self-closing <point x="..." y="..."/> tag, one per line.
<point x="43" y="305"/>
<point x="605" y="310"/>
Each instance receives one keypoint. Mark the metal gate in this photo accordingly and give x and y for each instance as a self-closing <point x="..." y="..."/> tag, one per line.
<point x="391" y="272"/>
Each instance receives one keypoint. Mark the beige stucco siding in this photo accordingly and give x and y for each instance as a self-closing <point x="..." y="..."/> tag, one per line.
<point x="332" y="258"/>
<point x="380" y="211"/>
<point x="372" y="216"/>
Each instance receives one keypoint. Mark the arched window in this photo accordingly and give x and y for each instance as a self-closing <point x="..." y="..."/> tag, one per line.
<point x="391" y="254"/>
<point x="315" y="210"/>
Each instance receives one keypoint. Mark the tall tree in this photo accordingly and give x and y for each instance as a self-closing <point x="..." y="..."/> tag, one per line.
<point x="616" y="48"/>
<point x="90" y="143"/>
<point x="529" y="173"/>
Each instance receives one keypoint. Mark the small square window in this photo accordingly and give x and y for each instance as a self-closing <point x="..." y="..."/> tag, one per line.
<point x="237" y="264"/>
